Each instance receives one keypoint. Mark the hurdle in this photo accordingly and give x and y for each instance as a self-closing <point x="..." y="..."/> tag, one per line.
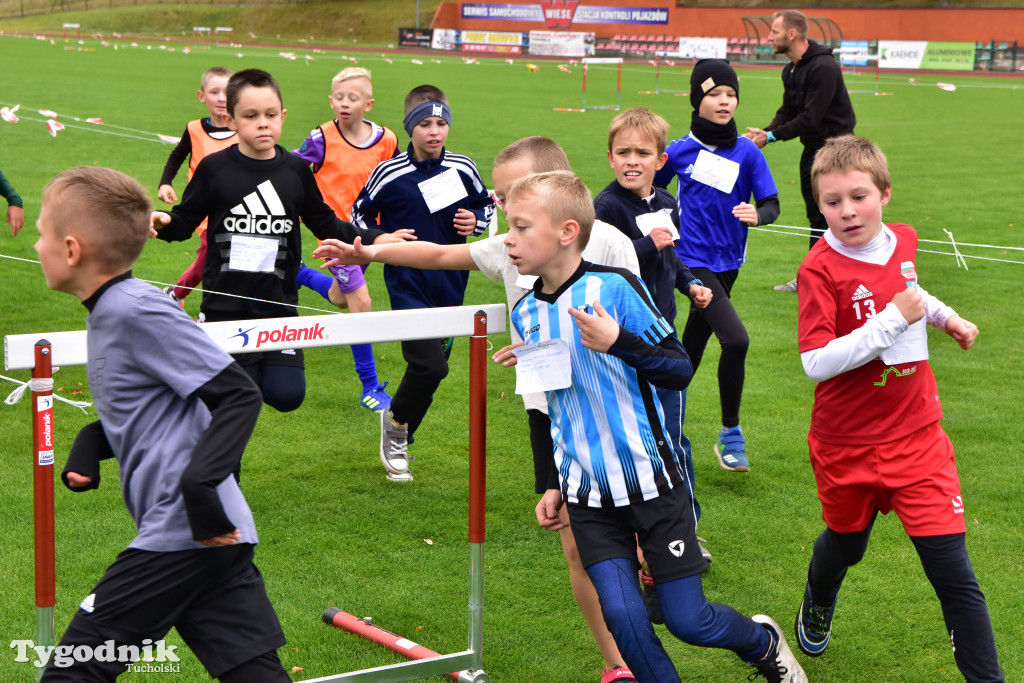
<point x="78" y="31"/>
<point x="856" y="54"/>
<point x="587" y="61"/>
<point x="663" y="58"/>
<point x="26" y="352"/>
<point x="201" y="33"/>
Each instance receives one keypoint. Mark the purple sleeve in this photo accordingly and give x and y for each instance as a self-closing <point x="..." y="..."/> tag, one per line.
<point x="313" y="149"/>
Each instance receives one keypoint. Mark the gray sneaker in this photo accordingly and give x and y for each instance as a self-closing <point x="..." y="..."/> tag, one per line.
<point x="394" y="444"/>
<point x="788" y="287"/>
<point x="779" y="665"/>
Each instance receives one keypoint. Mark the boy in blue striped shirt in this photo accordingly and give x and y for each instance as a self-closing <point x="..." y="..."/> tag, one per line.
<point x="595" y="343"/>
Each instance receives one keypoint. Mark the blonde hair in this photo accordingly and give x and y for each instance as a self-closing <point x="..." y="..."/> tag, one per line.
<point x="792" y="19"/>
<point x="645" y="122"/>
<point x="541" y="153"/>
<point x="352" y="73"/>
<point x="851" y="153"/>
<point x="563" y="196"/>
<point x="109" y="209"/>
<point x="213" y="72"/>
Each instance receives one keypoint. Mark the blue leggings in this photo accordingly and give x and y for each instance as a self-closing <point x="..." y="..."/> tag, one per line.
<point x="688" y="616"/>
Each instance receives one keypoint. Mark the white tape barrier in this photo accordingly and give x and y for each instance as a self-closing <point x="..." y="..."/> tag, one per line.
<point x="275" y="334"/>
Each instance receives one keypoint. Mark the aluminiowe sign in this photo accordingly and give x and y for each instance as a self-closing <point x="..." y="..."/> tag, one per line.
<point x="561" y="14"/>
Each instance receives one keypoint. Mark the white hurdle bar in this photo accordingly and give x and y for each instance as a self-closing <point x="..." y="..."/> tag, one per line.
<point x="275" y="334"/>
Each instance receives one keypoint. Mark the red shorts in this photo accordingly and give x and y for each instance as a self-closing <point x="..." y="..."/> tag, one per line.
<point x="915" y="476"/>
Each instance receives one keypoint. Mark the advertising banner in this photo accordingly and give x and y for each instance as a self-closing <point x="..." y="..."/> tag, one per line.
<point x="703" y="48"/>
<point x="900" y="54"/>
<point x="953" y="56"/>
<point x="492" y="41"/>
<point x="561" y="44"/>
<point x="562" y="14"/>
<point x="416" y="37"/>
<point x="444" y="39"/>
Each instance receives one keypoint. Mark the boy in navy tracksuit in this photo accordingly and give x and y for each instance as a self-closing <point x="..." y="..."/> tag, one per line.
<point x="442" y="198"/>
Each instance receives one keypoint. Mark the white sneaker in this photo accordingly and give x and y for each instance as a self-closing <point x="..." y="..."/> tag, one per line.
<point x="394" y="445"/>
<point x="778" y="666"/>
<point x="788" y="287"/>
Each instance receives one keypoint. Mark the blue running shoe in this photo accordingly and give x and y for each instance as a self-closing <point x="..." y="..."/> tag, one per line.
<point x="731" y="450"/>
<point x="376" y="399"/>
<point x="813" y="625"/>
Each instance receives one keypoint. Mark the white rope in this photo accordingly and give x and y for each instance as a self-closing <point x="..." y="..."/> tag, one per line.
<point x="39" y="384"/>
<point x="959" y="258"/>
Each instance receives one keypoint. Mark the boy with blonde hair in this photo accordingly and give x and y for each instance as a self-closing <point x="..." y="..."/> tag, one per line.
<point x="343" y="152"/>
<point x="201" y="138"/>
<point x="618" y="475"/>
<point x="648" y="216"/>
<point x="177" y="417"/>
<point x="607" y="246"/>
<point x="441" y="197"/>
<point x="875" y="440"/>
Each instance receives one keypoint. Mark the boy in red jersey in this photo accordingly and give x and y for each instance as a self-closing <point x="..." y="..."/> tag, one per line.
<point x="201" y="137"/>
<point x="344" y="153"/>
<point x="875" y="440"/>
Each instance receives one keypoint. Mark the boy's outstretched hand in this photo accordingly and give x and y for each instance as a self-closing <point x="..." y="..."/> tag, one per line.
<point x="963" y="331"/>
<point x="465" y="222"/>
<point x="504" y="355"/>
<point x="157" y="220"/>
<point x="599" y="331"/>
<point x="342" y="254"/>
<point x="547" y="510"/>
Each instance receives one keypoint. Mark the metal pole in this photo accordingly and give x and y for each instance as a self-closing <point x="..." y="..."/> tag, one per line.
<point x="42" y="487"/>
<point x="477" y="483"/>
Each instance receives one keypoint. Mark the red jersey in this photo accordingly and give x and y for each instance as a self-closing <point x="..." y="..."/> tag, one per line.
<point x="875" y="403"/>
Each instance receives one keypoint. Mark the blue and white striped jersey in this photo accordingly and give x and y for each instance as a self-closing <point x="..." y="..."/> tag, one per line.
<point x="608" y="425"/>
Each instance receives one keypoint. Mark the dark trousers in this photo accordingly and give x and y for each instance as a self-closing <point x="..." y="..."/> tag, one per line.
<point x="949" y="570"/>
<point x="817" y="220"/>
<point x="721" y="319"/>
<point x="427" y="365"/>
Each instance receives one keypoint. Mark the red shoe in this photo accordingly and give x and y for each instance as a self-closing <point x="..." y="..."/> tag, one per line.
<point x="619" y="674"/>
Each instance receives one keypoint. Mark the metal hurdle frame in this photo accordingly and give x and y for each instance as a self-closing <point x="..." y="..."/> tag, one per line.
<point x="42" y="352"/>
<point x="587" y="61"/>
<point x="669" y="59"/>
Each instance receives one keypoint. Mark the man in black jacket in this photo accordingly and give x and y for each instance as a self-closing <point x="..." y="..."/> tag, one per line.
<point x="815" y="105"/>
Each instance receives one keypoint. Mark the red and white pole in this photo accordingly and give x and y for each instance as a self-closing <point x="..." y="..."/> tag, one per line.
<point x="42" y="485"/>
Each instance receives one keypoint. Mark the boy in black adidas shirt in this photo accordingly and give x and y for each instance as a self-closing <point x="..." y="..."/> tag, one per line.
<point x="255" y="195"/>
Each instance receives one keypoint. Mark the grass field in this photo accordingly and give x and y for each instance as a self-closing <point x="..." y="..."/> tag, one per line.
<point x="335" y="533"/>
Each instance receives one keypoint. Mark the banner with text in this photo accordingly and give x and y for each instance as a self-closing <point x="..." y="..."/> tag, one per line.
<point x="492" y="41"/>
<point x="416" y="37"/>
<point x="562" y="14"/>
<point x="561" y="44"/>
<point x="907" y="54"/>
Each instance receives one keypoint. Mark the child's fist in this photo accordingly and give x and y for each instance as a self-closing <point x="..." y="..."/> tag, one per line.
<point x="963" y="331"/>
<point x="465" y="222"/>
<point x="910" y="304"/>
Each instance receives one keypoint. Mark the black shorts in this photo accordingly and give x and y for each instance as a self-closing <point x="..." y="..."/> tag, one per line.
<point x="663" y="527"/>
<point x="214" y="597"/>
<point x="290" y="358"/>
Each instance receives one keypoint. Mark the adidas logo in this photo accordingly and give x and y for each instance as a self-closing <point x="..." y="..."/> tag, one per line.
<point x="88" y="605"/>
<point x="261" y="212"/>
<point x="862" y="293"/>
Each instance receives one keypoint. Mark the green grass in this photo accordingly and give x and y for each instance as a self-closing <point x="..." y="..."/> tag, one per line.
<point x="335" y="533"/>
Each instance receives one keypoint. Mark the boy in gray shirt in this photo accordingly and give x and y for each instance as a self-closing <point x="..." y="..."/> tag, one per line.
<point x="177" y="417"/>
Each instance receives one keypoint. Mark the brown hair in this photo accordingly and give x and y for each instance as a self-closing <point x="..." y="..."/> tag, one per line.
<point x="644" y="121"/>
<point x="792" y="19"/>
<point x="249" y="78"/>
<point x="851" y="153"/>
<point x="107" y="207"/>
<point x="424" y="93"/>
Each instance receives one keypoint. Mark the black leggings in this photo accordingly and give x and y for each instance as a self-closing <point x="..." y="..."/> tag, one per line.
<point x="949" y="570"/>
<point x="720" y="318"/>
<point x="814" y="216"/>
